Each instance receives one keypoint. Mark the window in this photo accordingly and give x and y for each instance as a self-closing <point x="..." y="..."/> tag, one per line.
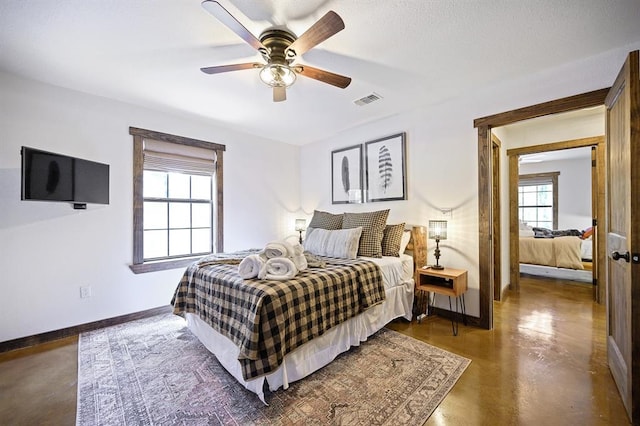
<point x="177" y="205"/>
<point x="538" y="200"/>
<point x="177" y="215"/>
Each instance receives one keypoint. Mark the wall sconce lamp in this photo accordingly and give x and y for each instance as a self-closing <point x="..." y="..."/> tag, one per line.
<point x="437" y="231"/>
<point x="301" y="225"/>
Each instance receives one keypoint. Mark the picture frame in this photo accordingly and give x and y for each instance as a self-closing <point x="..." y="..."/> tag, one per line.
<point x="346" y="175"/>
<point x="386" y="169"/>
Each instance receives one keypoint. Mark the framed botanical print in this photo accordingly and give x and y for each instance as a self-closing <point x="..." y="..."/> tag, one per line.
<point x="385" y="169"/>
<point x="346" y="175"/>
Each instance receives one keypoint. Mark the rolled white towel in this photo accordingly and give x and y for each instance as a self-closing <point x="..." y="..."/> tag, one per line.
<point x="278" y="249"/>
<point x="298" y="256"/>
<point x="278" y="268"/>
<point x="300" y="261"/>
<point x="297" y="248"/>
<point x="250" y="266"/>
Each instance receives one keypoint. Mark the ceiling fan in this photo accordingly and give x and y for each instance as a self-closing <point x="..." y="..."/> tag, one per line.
<point x="280" y="48"/>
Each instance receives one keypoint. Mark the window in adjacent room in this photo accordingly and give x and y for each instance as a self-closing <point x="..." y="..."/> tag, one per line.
<point x="538" y="199"/>
<point x="177" y="205"/>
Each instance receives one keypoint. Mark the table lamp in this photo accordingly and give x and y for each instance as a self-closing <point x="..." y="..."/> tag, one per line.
<point x="437" y="231"/>
<point x="301" y="225"/>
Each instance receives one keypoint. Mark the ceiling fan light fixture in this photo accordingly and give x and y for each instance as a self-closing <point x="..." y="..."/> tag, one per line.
<point x="277" y="75"/>
<point x="280" y="48"/>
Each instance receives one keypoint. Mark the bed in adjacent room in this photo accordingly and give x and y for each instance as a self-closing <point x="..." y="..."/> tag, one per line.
<point x="274" y="332"/>
<point x="560" y="254"/>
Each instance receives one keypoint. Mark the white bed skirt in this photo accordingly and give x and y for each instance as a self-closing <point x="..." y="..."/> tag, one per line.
<point x="315" y="354"/>
<point x="582" y="275"/>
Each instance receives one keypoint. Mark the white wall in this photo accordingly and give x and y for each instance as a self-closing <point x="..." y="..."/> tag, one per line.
<point x="49" y="250"/>
<point x="574" y="189"/>
<point x="442" y="156"/>
<point x="558" y="128"/>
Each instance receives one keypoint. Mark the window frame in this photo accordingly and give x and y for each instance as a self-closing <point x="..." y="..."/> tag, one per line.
<point x="541" y="179"/>
<point x="139" y="135"/>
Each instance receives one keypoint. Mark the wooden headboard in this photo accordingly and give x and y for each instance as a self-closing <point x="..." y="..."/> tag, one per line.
<point x="418" y="246"/>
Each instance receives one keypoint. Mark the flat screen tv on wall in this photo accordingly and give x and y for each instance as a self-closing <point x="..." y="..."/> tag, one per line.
<point x="47" y="176"/>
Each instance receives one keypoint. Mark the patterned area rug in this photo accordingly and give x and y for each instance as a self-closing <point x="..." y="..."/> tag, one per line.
<point x="155" y="372"/>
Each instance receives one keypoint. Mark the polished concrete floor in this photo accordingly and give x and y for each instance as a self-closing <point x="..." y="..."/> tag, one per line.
<point x="544" y="363"/>
<point x="38" y="384"/>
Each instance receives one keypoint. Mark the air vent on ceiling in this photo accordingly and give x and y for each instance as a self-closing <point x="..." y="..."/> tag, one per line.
<point x="367" y="99"/>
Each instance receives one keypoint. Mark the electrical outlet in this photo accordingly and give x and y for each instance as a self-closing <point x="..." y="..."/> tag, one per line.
<point x="85" y="292"/>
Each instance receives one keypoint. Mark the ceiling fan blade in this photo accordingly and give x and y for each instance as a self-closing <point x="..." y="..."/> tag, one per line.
<point x="279" y="94"/>
<point x="223" y="15"/>
<point x="325" y="27"/>
<point x="323" y="76"/>
<point x="227" y="68"/>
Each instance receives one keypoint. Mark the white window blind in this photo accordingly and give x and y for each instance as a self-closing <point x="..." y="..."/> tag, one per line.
<point x="171" y="157"/>
<point x="538" y="180"/>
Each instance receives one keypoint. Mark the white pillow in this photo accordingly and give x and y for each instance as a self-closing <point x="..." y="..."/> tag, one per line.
<point x="526" y="233"/>
<point x="523" y="225"/>
<point x="341" y="243"/>
<point x="404" y="242"/>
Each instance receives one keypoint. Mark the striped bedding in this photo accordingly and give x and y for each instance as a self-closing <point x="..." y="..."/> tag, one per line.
<point x="268" y="319"/>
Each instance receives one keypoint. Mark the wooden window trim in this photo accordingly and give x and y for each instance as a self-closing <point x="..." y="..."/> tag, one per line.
<point x="139" y="265"/>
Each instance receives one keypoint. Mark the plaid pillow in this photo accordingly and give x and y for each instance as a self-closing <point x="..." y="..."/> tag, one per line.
<point x="391" y="240"/>
<point x="373" y="224"/>
<point x="324" y="220"/>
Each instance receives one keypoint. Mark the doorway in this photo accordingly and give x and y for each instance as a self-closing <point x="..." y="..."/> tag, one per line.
<point x="597" y="203"/>
<point x="621" y="221"/>
<point x="486" y="268"/>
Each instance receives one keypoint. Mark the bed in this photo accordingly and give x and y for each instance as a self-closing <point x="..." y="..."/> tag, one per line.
<point x="272" y="333"/>
<point x="586" y="249"/>
<point x="559" y="252"/>
<point x="566" y="248"/>
<point x="556" y="255"/>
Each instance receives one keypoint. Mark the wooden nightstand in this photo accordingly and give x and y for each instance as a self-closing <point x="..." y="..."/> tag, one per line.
<point x="448" y="282"/>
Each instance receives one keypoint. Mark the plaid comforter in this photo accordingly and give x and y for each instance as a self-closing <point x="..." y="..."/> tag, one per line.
<point x="268" y="319"/>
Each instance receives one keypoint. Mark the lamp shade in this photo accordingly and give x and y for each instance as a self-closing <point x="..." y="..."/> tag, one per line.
<point x="301" y="224"/>
<point x="438" y="229"/>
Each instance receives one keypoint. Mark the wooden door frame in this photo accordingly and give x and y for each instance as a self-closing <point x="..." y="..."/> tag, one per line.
<point x="496" y="153"/>
<point x="485" y="191"/>
<point x="597" y="187"/>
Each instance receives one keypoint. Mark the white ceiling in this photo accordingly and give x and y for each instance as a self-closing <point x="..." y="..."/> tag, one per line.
<point x="411" y="52"/>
